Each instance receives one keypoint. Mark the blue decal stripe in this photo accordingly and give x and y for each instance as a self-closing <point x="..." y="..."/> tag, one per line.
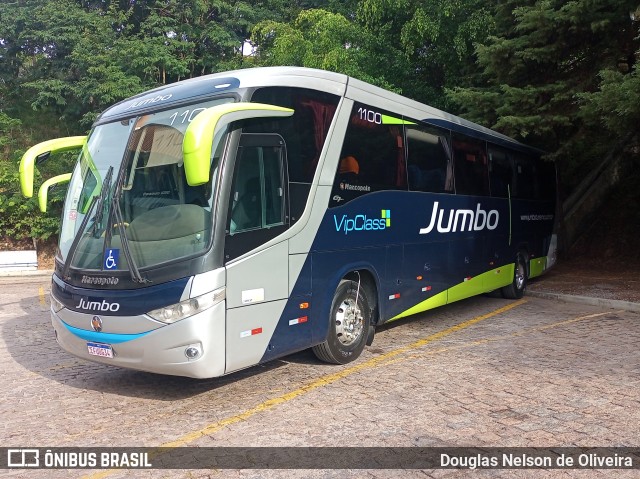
<point x="109" y="338"/>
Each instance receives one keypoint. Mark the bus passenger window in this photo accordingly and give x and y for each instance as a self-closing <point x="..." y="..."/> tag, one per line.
<point x="471" y="169"/>
<point x="526" y="178"/>
<point x="372" y="157"/>
<point x="428" y="164"/>
<point x="258" y="209"/>
<point x="547" y="180"/>
<point x="500" y="173"/>
<point x="258" y="187"/>
<point x="304" y="133"/>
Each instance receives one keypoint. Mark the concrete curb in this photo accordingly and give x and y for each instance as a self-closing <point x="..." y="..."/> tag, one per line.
<point x="570" y="298"/>
<point x="26" y="273"/>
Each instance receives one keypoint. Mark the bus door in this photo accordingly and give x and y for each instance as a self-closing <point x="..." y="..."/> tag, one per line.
<point x="257" y="283"/>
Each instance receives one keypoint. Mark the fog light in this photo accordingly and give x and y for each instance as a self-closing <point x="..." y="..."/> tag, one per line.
<point x="192" y="352"/>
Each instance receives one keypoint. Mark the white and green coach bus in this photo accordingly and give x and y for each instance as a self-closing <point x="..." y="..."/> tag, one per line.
<point x="227" y="220"/>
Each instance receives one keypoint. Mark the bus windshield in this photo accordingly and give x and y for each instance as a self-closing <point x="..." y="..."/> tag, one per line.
<point x="156" y="215"/>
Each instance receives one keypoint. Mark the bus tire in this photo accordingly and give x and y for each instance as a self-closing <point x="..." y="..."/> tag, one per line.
<point x="519" y="284"/>
<point x="349" y="325"/>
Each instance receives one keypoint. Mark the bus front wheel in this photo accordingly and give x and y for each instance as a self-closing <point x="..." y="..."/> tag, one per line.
<point x="349" y="324"/>
<point x="519" y="284"/>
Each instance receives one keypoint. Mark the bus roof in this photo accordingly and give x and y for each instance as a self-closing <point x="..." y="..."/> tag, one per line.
<point x="336" y="83"/>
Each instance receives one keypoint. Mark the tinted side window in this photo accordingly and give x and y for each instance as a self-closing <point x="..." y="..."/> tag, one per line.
<point x="258" y="189"/>
<point x="526" y="178"/>
<point x="500" y="173"/>
<point x="372" y="157"/>
<point x="547" y="180"/>
<point x="428" y="160"/>
<point x="471" y="171"/>
<point x="304" y="133"/>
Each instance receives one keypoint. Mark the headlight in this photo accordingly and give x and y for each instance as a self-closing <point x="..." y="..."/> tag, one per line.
<point x="55" y="304"/>
<point x="188" y="307"/>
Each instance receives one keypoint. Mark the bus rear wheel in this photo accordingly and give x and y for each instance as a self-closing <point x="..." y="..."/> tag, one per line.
<point x="519" y="284"/>
<point x="349" y="324"/>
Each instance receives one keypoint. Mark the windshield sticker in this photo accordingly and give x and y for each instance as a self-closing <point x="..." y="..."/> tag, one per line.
<point x="111" y="259"/>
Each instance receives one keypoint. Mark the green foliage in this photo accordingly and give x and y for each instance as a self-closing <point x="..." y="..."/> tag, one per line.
<point x="329" y="41"/>
<point x="20" y="218"/>
<point x="435" y="38"/>
<point x="548" y="75"/>
<point x="616" y="104"/>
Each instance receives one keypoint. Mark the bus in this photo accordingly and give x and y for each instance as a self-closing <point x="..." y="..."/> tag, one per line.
<point x="227" y="220"/>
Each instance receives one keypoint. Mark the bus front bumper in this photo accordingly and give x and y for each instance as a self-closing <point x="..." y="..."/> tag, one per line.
<point x="163" y="350"/>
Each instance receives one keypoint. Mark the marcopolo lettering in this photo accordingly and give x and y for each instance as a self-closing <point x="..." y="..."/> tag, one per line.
<point x="462" y="220"/>
<point x="97" y="305"/>
<point x="100" y="280"/>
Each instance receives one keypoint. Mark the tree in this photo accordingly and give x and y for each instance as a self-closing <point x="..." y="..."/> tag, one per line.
<point x="544" y="64"/>
<point x="616" y="103"/>
<point x="436" y="37"/>
<point x="329" y="41"/>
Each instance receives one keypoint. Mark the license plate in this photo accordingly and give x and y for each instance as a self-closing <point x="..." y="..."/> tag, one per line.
<point x="99" y="349"/>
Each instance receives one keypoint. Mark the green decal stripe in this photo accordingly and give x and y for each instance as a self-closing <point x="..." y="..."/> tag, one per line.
<point x="483" y="283"/>
<point x="497" y="278"/>
<point x="434" y="301"/>
<point x="390" y="120"/>
<point x="537" y="266"/>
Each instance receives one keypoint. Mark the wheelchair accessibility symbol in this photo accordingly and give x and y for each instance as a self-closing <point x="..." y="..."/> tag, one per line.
<point x="111" y="259"/>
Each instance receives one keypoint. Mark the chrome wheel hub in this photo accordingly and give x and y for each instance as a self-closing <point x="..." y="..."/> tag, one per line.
<point x="520" y="275"/>
<point x="349" y="322"/>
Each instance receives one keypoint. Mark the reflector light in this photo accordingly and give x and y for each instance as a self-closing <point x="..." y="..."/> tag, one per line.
<point x="302" y="319"/>
<point x="251" y="332"/>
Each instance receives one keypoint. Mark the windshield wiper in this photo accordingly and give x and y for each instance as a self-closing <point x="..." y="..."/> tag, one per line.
<point x="106" y="186"/>
<point x="118" y="222"/>
<point x="96" y="200"/>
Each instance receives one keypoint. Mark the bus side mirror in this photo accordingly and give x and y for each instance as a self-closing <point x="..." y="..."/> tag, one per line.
<point x="44" y="189"/>
<point x="42" y="150"/>
<point x="198" y="142"/>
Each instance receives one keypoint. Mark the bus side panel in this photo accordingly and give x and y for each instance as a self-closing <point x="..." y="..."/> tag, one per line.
<point x="294" y="329"/>
<point x="383" y="233"/>
<point x="533" y="227"/>
<point x="389" y="233"/>
<point x="257" y="292"/>
<point x="426" y="276"/>
<point x="329" y="268"/>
